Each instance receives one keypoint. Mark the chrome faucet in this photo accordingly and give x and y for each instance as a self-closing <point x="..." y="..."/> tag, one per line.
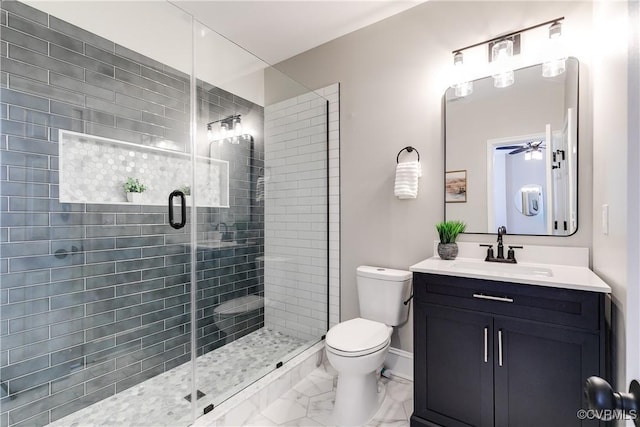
<point x="511" y="256"/>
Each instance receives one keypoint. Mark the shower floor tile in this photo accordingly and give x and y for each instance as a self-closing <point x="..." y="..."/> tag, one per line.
<point x="160" y="401"/>
<point x="309" y="403"/>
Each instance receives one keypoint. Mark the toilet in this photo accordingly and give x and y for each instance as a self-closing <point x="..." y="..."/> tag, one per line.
<point x="357" y="348"/>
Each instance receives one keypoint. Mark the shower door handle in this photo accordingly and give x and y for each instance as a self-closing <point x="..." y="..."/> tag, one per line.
<point x="183" y="210"/>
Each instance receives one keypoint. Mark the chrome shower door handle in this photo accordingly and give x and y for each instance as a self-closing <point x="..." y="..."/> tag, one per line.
<point x="183" y="209"/>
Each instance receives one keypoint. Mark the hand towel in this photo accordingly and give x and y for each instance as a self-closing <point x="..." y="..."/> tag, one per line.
<point x="407" y="174"/>
<point x="260" y="189"/>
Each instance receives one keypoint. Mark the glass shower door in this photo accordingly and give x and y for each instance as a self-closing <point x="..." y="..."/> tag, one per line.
<point x="262" y="251"/>
<point x="95" y="287"/>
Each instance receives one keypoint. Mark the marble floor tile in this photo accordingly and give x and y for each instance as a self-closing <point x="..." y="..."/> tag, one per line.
<point x="316" y="392"/>
<point x="291" y="406"/>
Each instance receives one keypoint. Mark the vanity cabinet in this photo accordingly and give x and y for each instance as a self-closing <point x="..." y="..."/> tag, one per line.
<point x="490" y="353"/>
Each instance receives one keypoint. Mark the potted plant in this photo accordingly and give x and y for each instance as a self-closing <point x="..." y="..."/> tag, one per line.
<point x="134" y="190"/>
<point x="448" y="232"/>
<point x="187" y="193"/>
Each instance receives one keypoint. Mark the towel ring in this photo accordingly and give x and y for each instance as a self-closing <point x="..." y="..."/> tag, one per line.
<point x="409" y="150"/>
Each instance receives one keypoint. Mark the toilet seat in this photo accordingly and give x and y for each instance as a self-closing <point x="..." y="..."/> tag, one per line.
<point x="358" y="337"/>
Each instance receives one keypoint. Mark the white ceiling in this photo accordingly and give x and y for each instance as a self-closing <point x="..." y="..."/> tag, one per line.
<point x="278" y="30"/>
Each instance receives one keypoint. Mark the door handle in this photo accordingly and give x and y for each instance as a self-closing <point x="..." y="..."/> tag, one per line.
<point x="486" y="344"/>
<point x="183" y="210"/>
<point x="500" y="347"/>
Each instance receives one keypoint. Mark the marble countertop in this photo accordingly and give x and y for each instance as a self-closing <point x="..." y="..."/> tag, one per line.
<point x="550" y="275"/>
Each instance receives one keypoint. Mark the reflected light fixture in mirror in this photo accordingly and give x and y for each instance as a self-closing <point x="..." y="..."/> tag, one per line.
<point x="536" y="154"/>
<point x="229" y="130"/>
<point x="556" y="64"/>
<point x="461" y="86"/>
<point x="501" y="54"/>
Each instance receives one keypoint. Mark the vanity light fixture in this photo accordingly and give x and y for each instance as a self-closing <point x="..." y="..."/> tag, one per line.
<point x="461" y="86"/>
<point x="501" y="54"/>
<point x="229" y="130"/>
<point x="555" y="65"/>
<point x="503" y="48"/>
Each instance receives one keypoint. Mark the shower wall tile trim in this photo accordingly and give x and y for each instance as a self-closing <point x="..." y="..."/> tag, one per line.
<point x="95" y="297"/>
<point x="296" y="201"/>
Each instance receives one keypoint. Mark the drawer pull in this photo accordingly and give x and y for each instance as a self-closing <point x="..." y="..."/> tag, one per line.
<point x="486" y="344"/>
<point x="500" y="347"/>
<point x="492" y="298"/>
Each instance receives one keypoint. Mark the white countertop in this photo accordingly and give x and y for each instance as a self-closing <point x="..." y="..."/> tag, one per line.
<point x="550" y="275"/>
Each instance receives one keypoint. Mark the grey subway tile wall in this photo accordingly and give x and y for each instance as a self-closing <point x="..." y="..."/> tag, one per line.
<point x="96" y="297"/>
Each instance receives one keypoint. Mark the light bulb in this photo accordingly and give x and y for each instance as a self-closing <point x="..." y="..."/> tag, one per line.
<point x="210" y="134"/>
<point x="527" y="155"/>
<point x="536" y="155"/>
<point x="237" y="129"/>
<point x="501" y="54"/>
<point x="556" y="64"/>
<point x="461" y="86"/>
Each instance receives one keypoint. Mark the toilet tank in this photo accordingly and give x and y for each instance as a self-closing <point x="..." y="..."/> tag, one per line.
<point x="382" y="292"/>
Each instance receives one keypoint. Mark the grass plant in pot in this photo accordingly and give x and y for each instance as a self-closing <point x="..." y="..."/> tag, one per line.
<point x="448" y="232"/>
<point x="134" y="190"/>
<point x="187" y="193"/>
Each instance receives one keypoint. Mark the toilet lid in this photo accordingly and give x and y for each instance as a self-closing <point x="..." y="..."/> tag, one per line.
<point x="358" y="335"/>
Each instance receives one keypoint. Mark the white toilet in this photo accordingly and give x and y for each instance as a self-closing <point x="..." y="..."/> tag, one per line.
<point x="357" y="348"/>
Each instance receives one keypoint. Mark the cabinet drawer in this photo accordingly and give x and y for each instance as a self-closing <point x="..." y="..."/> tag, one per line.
<point x="569" y="307"/>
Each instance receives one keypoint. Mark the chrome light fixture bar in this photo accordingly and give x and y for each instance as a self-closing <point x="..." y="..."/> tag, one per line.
<point x="503" y="47"/>
<point x="229" y="130"/>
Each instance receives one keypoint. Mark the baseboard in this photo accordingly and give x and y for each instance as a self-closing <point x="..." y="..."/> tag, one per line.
<point x="400" y="363"/>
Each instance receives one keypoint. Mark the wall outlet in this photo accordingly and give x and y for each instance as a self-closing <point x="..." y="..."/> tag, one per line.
<point x="605" y="219"/>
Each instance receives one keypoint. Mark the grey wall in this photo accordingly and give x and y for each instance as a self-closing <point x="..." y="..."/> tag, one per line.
<point x="95" y="298"/>
<point x="392" y="77"/>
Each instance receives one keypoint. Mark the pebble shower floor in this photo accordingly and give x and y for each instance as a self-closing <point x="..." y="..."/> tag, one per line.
<point x="160" y="400"/>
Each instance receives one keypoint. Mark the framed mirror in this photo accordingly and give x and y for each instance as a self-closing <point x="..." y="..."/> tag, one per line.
<point x="518" y="147"/>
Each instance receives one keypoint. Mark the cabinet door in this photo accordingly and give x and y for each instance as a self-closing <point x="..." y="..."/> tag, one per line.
<point x="540" y="371"/>
<point x="453" y="366"/>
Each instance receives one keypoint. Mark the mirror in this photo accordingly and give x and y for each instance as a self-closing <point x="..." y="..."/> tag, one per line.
<point x="516" y="149"/>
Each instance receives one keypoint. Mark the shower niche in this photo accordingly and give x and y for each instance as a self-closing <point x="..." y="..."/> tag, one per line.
<point x="94" y="169"/>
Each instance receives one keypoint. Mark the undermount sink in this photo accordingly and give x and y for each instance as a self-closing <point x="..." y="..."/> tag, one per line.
<point x="501" y="269"/>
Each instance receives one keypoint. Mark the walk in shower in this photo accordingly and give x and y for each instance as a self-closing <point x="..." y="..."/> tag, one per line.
<point x="151" y="311"/>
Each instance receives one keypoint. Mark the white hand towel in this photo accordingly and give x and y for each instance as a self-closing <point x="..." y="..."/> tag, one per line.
<point x="407" y="174"/>
<point x="260" y="189"/>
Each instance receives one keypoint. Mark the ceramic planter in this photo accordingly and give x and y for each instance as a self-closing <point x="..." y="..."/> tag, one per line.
<point x="134" y="198"/>
<point x="448" y="250"/>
